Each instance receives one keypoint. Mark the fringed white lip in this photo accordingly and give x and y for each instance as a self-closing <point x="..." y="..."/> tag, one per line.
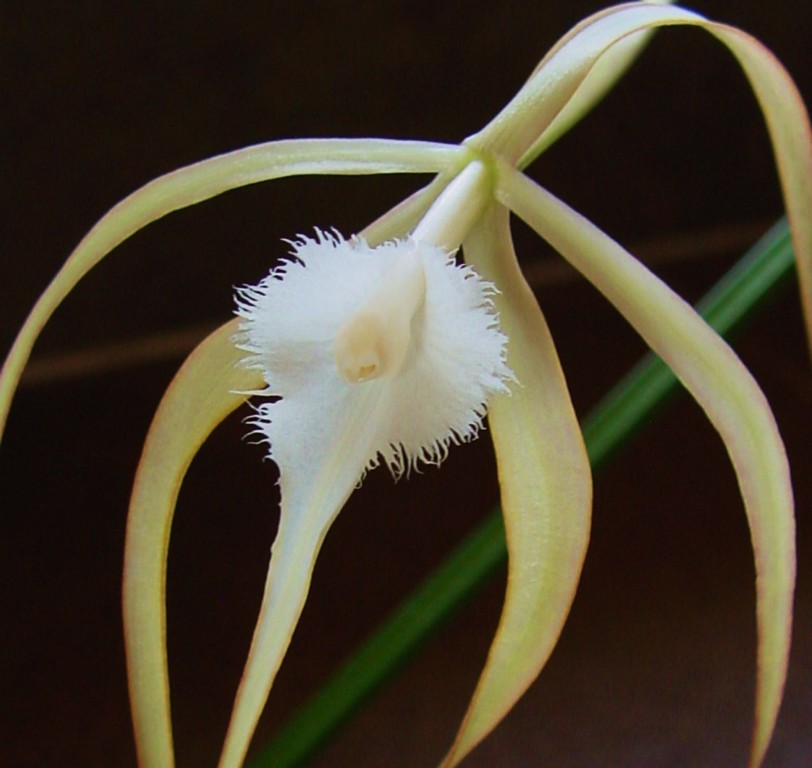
<point x="397" y="343"/>
<point x="388" y="352"/>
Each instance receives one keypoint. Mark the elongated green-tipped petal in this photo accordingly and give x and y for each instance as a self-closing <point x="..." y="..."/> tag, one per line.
<point x="546" y="490"/>
<point x="735" y="405"/>
<point x="204" y="180"/>
<point x="198" y="399"/>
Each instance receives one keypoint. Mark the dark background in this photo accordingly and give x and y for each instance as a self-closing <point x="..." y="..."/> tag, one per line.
<point x="656" y="664"/>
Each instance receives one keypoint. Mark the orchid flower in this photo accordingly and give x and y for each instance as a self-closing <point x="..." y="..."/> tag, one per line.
<point x="384" y="347"/>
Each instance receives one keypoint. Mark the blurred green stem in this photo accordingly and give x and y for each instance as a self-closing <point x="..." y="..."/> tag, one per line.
<point x="627" y="406"/>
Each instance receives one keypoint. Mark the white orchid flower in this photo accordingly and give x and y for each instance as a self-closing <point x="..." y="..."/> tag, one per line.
<point x="383" y="347"/>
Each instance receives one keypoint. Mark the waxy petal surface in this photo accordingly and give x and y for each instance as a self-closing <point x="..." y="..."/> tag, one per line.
<point x="605" y="73"/>
<point x="562" y="73"/>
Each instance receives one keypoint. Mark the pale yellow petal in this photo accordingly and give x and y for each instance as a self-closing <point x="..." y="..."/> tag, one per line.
<point x="545" y="484"/>
<point x="201" y="181"/>
<point x="560" y="90"/>
<point x="732" y="400"/>
<point x="201" y="395"/>
<point x="612" y="65"/>
<point x="564" y="71"/>
<point x="788" y="123"/>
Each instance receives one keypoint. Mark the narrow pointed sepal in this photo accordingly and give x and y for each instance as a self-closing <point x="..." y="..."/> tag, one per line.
<point x="573" y="75"/>
<point x="201" y="395"/>
<point x="546" y="490"/>
<point x="723" y="387"/>
<point x="206" y="179"/>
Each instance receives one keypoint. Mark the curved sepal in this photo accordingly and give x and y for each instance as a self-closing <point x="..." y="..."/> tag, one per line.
<point x="572" y="77"/>
<point x="723" y="387"/>
<point x="546" y="490"/>
<point x="201" y="181"/>
<point x="788" y="124"/>
<point x="566" y="83"/>
<point x="605" y="73"/>
<point x="200" y="396"/>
